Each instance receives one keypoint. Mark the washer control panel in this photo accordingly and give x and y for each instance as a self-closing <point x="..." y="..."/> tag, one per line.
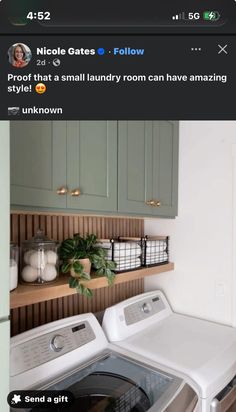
<point x="49" y="346"/>
<point x="143" y="309"/>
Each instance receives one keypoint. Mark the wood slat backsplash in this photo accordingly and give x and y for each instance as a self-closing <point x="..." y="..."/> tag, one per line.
<point x="59" y="227"/>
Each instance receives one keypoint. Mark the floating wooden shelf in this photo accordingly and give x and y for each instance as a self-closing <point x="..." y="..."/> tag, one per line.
<point x="28" y="295"/>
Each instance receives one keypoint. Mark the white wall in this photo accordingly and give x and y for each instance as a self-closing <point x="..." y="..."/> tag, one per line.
<point x="201" y="236"/>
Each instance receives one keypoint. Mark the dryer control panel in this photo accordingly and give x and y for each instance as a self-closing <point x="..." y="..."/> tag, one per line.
<point x="143" y="309"/>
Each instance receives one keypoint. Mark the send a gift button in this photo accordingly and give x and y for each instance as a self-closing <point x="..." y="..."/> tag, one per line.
<point x="41" y="399"/>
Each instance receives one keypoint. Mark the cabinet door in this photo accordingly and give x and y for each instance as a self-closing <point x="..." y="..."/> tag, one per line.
<point x="38" y="163"/>
<point x="148" y="167"/>
<point x="92" y="165"/>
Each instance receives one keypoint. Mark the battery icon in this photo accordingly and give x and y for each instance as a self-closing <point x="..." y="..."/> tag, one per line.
<point x="211" y="15"/>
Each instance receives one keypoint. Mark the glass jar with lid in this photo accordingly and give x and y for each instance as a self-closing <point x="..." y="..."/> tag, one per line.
<point x="14" y="260"/>
<point x="39" y="260"/>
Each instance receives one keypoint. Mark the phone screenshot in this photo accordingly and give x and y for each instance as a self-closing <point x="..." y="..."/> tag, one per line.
<point x="118" y="206"/>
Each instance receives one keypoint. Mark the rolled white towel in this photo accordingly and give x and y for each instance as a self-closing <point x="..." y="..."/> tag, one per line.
<point x="119" y="245"/>
<point x="153" y="246"/>
<point x="162" y="257"/>
<point x="104" y="245"/>
<point x="132" y="264"/>
<point x="122" y="249"/>
<point x="126" y="245"/>
<point x="124" y="260"/>
<point x="155" y="255"/>
<point x="125" y="254"/>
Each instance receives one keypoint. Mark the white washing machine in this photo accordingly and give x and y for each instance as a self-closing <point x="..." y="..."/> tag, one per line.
<point x="73" y="354"/>
<point x="202" y="351"/>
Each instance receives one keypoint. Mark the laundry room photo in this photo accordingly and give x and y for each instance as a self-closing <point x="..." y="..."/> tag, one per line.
<point x="118" y="243"/>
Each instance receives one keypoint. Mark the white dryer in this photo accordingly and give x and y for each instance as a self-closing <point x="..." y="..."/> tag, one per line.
<point x="73" y="354"/>
<point x="201" y="351"/>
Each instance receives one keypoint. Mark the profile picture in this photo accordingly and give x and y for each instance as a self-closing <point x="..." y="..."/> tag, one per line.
<point x="19" y="55"/>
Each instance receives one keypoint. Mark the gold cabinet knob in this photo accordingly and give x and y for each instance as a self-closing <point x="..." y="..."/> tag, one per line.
<point x="62" y="190"/>
<point x="75" y="192"/>
<point x="152" y="202"/>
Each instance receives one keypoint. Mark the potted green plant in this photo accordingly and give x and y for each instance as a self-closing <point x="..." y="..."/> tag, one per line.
<point x="76" y="253"/>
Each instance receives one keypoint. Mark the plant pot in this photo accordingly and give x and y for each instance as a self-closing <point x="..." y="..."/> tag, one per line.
<point x="86" y="264"/>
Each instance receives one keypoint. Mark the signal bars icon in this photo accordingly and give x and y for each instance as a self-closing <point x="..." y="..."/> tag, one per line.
<point x="179" y="16"/>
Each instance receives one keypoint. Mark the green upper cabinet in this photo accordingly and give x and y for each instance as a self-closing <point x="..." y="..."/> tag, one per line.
<point x="125" y="167"/>
<point x="148" y="167"/>
<point x="62" y="165"/>
<point x="92" y="165"/>
<point x="38" y="163"/>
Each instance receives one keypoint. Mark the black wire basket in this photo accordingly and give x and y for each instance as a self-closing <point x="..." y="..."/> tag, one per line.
<point x="155" y="250"/>
<point x="126" y="252"/>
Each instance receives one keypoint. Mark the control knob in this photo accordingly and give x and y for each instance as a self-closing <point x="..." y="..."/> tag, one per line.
<point x="57" y="343"/>
<point x="146" y="308"/>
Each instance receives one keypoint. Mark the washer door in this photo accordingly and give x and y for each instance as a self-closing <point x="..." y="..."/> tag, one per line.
<point x="108" y="392"/>
<point x="105" y="392"/>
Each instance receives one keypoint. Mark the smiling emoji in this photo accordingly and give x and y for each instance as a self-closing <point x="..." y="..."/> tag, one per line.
<point x="40" y="88"/>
